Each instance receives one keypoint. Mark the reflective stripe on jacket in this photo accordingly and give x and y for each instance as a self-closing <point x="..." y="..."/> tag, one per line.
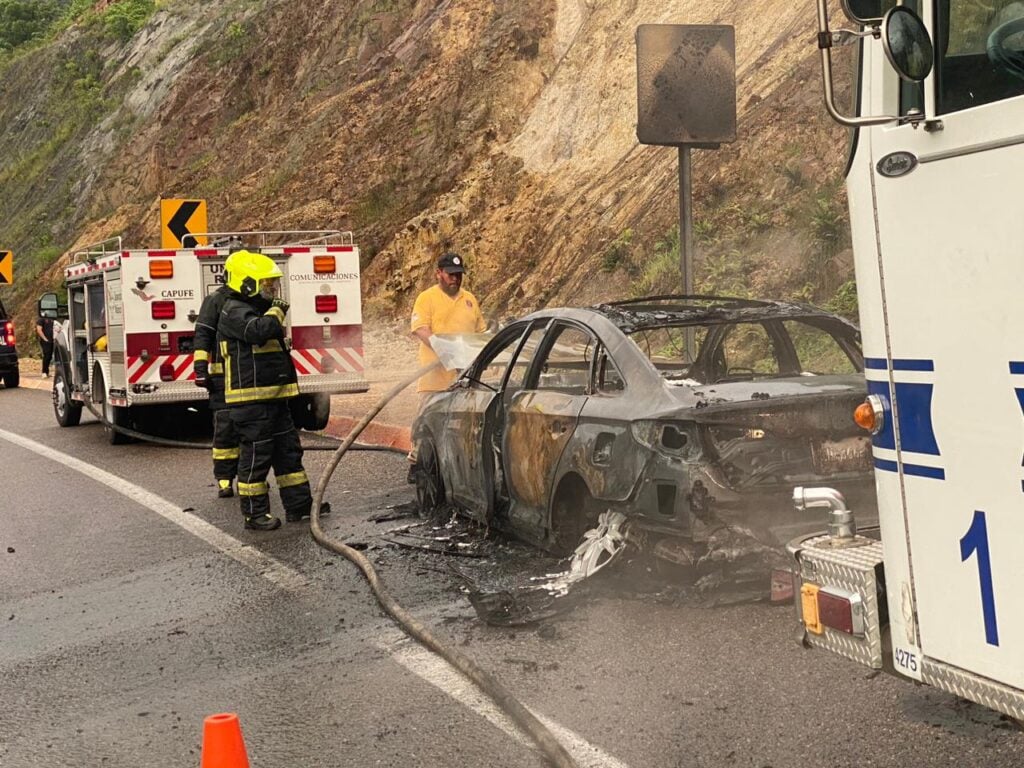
<point x="257" y="365"/>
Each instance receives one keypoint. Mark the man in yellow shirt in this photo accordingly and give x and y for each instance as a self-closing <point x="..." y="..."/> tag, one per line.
<point x="444" y="308"/>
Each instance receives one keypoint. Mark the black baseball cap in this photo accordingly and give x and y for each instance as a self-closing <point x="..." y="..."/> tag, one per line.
<point x="451" y="263"/>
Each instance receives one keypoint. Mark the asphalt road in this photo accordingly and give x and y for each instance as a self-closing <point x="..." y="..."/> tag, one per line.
<point x="133" y="604"/>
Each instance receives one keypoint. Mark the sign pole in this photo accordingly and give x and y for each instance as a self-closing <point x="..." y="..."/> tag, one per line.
<point x="685" y="219"/>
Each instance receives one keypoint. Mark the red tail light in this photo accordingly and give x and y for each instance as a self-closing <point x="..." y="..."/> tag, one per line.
<point x="9" y="333"/>
<point x="162" y="310"/>
<point x="166" y="372"/>
<point x="831" y="607"/>
<point x="836" y="611"/>
<point x="326" y="304"/>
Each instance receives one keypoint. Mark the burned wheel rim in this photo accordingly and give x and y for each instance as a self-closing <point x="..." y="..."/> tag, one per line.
<point x="600" y="545"/>
<point x="429" y="484"/>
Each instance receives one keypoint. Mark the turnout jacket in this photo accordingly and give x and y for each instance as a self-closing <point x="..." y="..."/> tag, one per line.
<point x="257" y="365"/>
<point x="206" y="354"/>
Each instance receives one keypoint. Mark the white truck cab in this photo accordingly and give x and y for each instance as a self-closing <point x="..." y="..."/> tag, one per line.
<point x="936" y="158"/>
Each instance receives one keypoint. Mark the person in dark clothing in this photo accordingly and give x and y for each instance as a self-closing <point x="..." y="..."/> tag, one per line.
<point x="209" y="374"/>
<point x="259" y="379"/>
<point x="44" y="330"/>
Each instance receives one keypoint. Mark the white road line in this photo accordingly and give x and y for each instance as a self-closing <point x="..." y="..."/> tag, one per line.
<point x="272" y="570"/>
<point x="413" y="657"/>
<point x="446" y="678"/>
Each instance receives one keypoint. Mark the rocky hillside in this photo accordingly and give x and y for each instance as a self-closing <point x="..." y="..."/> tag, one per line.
<point x="504" y="129"/>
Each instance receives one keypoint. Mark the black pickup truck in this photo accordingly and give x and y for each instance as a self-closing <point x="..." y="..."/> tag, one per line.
<point x="8" y="352"/>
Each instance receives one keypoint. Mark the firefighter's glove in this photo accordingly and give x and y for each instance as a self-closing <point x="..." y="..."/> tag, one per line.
<point x="201" y="368"/>
<point x="280" y="304"/>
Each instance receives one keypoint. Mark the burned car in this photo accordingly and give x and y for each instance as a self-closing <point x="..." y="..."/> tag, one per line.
<point x="686" y="414"/>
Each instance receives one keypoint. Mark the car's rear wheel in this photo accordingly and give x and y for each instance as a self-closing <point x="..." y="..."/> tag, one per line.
<point x="430" y="492"/>
<point x="12" y="379"/>
<point x="573" y="513"/>
<point x="67" y="411"/>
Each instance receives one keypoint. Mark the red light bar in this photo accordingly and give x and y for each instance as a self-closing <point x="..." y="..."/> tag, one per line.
<point x="162" y="310"/>
<point x="326" y="304"/>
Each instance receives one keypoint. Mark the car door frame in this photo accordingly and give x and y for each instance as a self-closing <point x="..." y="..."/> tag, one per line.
<point x="530" y="513"/>
<point x="474" y="489"/>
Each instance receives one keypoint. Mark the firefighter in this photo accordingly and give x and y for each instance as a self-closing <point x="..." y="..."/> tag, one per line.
<point x="259" y="378"/>
<point x="209" y="374"/>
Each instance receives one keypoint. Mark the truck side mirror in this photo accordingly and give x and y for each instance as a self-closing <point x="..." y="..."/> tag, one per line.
<point x="907" y="44"/>
<point x="49" y="306"/>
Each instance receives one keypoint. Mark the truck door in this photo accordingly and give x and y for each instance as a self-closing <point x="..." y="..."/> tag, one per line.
<point x="114" y="313"/>
<point x="950" y="357"/>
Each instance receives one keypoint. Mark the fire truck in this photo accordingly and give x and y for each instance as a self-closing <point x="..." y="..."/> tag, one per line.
<point x="126" y="344"/>
<point x="936" y="156"/>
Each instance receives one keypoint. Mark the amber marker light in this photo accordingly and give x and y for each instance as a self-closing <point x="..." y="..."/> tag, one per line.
<point x="869" y="415"/>
<point x="323" y="264"/>
<point x="161" y="268"/>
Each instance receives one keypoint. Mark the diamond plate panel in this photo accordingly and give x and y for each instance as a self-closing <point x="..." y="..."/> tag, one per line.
<point x="967" y="685"/>
<point x="332" y="383"/>
<point x="190" y="394"/>
<point x="851" y="569"/>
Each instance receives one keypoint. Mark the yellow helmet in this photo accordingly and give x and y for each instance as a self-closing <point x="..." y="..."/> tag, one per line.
<point x="245" y="270"/>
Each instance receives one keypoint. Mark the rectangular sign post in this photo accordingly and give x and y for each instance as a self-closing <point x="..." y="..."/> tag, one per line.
<point x="6" y="267"/>
<point x="181" y="221"/>
<point x="686" y="98"/>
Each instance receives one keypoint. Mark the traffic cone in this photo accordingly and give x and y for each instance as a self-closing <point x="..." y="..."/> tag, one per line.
<point x="223" y="746"/>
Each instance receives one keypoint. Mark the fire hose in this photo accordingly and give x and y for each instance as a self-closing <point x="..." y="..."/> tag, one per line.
<point x="549" y="746"/>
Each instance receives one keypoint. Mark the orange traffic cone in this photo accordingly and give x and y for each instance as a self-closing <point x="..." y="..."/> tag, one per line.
<point x="223" y="746"/>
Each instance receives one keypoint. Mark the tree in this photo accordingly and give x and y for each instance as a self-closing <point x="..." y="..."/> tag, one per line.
<point x="22" y="21"/>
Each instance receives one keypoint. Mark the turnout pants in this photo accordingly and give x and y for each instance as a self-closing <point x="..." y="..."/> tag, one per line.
<point x="225" y="446"/>
<point x="268" y="439"/>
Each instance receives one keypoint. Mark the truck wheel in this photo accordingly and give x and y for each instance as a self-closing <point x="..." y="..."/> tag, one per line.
<point x="12" y="379"/>
<point x="311" y="412"/>
<point x="114" y="418"/>
<point x="67" y="411"/>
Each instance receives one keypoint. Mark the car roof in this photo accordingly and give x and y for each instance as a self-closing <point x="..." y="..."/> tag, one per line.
<point x="657" y="311"/>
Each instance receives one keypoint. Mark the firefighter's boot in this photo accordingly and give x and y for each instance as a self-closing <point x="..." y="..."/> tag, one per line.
<point x="224" y="489"/>
<point x="296" y="516"/>
<point x="265" y="522"/>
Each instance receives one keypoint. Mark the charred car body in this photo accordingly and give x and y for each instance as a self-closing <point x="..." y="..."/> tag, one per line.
<point x="684" y="413"/>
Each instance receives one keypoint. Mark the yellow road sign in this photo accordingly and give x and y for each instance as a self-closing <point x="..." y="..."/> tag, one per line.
<point x="179" y="221"/>
<point x="6" y="267"/>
